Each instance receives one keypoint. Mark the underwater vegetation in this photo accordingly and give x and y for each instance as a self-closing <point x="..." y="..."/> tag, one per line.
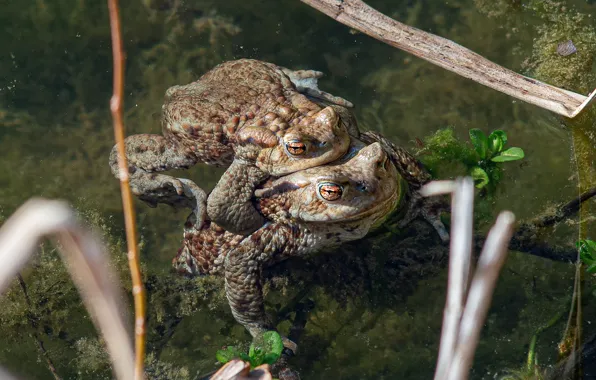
<point x="587" y="254"/>
<point x="481" y="159"/>
<point x="265" y="350"/>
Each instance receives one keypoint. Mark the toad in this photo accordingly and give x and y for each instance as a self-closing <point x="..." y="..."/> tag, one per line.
<point x="237" y="103"/>
<point x="307" y="211"/>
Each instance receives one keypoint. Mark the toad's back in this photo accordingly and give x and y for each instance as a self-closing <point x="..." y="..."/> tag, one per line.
<point x="204" y="115"/>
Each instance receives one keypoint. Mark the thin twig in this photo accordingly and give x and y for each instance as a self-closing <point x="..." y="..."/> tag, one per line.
<point x="451" y="56"/>
<point x="40" y="345"/>
<point x="88" y="268"/>
<point x="491" y="260"/>
<point x="138" y="290"/>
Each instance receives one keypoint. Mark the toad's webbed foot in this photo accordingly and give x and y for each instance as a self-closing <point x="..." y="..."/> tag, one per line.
<point x="230" y="203"/>
<point x="430" y="209"/>
<point x="306" y="82"/>
<point x="154" y="188"/>
<point x="147" y="154"/>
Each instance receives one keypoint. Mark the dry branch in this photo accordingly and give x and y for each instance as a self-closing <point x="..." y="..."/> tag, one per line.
<point x="87" y="263"/>
<point x="459" y="268"/>
<point x="451" y="56"/>
<point x="479" y="298"/>
<point x="138" y="290"/>
<point x="462" y="325"/>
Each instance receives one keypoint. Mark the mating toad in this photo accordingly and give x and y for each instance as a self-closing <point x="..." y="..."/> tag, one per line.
<point x="237" y="103"/>
<point x="307" y="211"/>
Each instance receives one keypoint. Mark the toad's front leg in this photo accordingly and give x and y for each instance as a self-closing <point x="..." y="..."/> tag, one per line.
<point x="230" y="203"/>
<point x="147" y="154"/>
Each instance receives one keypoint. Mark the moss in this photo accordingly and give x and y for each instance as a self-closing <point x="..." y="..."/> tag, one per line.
<point x="562" y="23"/>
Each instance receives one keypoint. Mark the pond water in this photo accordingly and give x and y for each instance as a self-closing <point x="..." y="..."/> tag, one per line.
<point x="376" y="317"/>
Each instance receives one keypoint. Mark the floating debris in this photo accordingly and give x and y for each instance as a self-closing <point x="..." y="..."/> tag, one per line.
<point x="566" y="48"/>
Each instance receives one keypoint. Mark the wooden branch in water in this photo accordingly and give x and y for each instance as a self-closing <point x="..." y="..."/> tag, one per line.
<point x="527" y="235"/>
<point x="138" y="290"/>
<point x="451" y="56"/>
<point x="87" y="264"/>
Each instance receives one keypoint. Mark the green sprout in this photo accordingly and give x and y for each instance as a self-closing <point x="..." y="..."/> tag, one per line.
<point x="587" y="254"/>
<point x="265" y="349"/>
<point x="482" y="160"/>
<point x="490" y="150"/>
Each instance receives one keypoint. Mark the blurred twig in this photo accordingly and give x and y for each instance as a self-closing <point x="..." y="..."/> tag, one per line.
<point x="237" y="369"/>
<point x="461" y="328"/>
<point x="87" y="263"/>
<point x="138" y="289"/>
<point x="451" y="56"/>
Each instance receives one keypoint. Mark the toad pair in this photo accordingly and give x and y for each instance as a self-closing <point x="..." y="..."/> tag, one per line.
<point x="300" y="176"/>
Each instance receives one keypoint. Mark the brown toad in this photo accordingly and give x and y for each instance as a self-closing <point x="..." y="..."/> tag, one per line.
<point x="237" y="103"/>
<point x="307" y="211"/>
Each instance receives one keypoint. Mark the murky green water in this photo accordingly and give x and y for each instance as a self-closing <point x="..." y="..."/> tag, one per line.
<point x="378" y="314"/>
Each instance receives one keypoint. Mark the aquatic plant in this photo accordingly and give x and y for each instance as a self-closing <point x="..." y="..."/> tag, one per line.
<point x="587" y="254"/>
<point x="481" y="160"/>
<point x="265" y="349"/>
<point x="491" y="151"/>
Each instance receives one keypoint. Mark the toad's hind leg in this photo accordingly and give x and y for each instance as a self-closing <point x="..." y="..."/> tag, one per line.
<point x="244" y="289"/>
<point x="147" y="154"/>
<point x="307" y="83"/>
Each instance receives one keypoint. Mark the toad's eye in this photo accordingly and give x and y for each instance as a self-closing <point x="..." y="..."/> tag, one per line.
<point x="330" y="191"/>
<point x="295" y="148"/>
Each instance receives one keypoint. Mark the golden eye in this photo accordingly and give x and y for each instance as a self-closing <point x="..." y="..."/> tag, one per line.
<point x="295" y="148"/>
<point x="330" y="191"/>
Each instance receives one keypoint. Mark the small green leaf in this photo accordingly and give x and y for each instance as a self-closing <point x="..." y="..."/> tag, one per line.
<point x="591" y="268"/>
<point x="256" y="355"/>
<point x="266" y="348"/>
<point x="480" y="142"/>
<point x="479" y="176"/>
<point x="273" y="343"/>
<point x="586" y="257"/>
<point x="270" y="358"/>
<point x="587" y="251"/>
<point x="224" y="356"/>
<point x="496" y="141"/>
<point x="511" y="154"/>
<point x="589" y="245"/>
